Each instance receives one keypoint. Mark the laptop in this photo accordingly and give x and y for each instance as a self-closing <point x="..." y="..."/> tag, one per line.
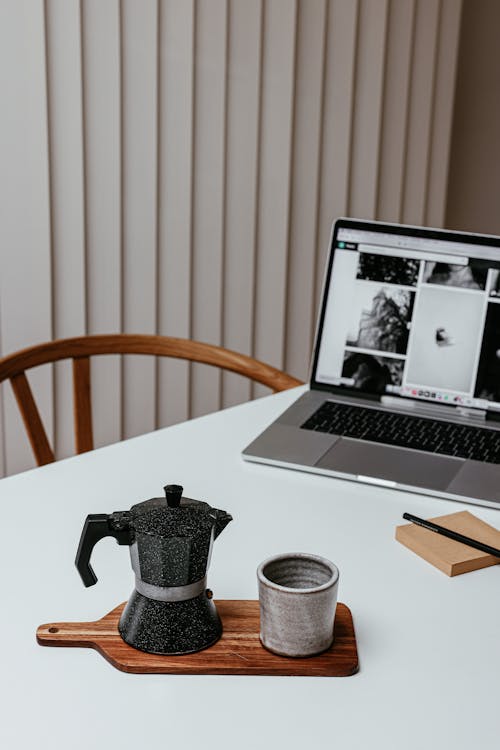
<point x="404" y="388"/>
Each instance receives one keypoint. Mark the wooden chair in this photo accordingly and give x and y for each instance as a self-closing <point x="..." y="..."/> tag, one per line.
<point x="80" y="349"/>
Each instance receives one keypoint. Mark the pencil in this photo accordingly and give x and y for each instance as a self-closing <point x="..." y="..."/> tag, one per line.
<point x="452" y="535"/>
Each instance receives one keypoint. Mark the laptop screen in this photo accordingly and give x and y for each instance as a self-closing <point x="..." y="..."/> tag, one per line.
<point x="411" y="313"/>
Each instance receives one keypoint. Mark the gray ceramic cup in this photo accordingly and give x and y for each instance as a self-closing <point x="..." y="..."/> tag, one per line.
<point x="298" y="598"/>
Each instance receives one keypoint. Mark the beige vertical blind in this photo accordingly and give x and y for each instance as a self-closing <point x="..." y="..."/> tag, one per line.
<point x="174" y="166"/>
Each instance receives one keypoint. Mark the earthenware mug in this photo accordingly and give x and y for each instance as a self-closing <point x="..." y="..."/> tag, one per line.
<point x="298" y="598"/>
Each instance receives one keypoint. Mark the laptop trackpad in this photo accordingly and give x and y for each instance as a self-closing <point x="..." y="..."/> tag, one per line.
<point x="394" y="464"/>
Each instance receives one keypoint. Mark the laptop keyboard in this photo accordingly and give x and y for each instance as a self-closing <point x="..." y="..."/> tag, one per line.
<point x="404" y="431"/>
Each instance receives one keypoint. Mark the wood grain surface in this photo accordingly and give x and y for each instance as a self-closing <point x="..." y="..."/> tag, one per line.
<point x="453" y="558"/>
<point x="80" y="348"/>
<point x="239" y="651"/>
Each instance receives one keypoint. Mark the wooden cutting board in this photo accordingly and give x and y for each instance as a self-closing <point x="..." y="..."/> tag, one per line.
<point x="239" y="651"/>
<point x="453" y="558"/>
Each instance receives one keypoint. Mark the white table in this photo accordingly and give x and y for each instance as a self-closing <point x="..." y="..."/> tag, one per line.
<point x="429" y="646"/>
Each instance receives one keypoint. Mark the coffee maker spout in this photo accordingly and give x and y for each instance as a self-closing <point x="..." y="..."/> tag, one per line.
<point x="221" y="521"/>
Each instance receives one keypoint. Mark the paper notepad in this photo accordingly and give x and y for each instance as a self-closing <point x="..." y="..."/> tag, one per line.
<point x="453" y="558"/>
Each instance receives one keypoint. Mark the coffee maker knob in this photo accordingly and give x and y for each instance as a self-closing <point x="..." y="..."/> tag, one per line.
<point x="173" y="493"/>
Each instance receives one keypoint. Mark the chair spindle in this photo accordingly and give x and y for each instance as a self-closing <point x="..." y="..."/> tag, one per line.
<point x="82" y="405"/>
<point x="32" y="419"/>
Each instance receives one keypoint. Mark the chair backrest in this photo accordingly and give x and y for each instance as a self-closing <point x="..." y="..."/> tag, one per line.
<point x="80" y="349"/>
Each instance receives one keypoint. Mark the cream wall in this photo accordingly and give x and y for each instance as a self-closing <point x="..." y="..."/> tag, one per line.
<point x="174" y="166"/>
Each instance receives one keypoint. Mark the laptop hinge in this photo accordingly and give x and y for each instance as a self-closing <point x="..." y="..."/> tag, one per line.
<point x="475" y="415"/>
<point x="420" y="408"/>
<point x="424" y="408"/>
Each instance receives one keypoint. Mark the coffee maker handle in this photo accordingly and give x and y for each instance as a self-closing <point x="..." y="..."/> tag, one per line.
<point x="96" y="527"/>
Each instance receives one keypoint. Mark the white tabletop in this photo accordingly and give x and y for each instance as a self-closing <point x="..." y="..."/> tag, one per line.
<point x="429" y="645"/>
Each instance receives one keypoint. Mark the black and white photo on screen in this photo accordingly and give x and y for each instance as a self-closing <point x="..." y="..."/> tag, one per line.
<point x="387" y="268"/>
<point x="488" y="373"/>
<point x="495" y="283"/>
<point x="468" y="276"/>
<point x="380" y="317"/>
<point x="444" y="344"/>
<point x="371" y="373"/>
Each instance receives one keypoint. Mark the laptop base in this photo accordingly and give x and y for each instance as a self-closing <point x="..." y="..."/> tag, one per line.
<point x="285" y="444"/>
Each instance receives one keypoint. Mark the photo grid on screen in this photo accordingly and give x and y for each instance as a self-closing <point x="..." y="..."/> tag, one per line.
<point x="419" y="323"/>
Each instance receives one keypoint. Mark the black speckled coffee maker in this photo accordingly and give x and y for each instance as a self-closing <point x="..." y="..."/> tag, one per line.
<point x="171" y="610"/>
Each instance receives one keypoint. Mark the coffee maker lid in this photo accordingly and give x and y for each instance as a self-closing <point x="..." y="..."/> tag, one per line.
<point x="173" y="515"/>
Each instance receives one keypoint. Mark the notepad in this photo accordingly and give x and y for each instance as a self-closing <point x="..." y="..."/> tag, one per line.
<point x="453" y="558"/>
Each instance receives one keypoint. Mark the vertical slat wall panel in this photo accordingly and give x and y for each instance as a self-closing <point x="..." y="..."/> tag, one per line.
<point x="139" y="154"/>
<point x="420" y="111"/>
<point x="366" y="128"/>
<point x="278" y="73"/>
<point x="300" y="313"/>
<point x="208" y="194"/>
<point x="2" y="422"/>
<point x="444" y="88"/>
<point x="395" y="109"/>
<point x="64" y="56"/>
<point x="102" y="122"/>
<point x="181" y="162"/>
<point x="25" y="277"/>
<point x="176" y="78"/>
<point x="340" y="64"/>
<point x="242" y="144"/>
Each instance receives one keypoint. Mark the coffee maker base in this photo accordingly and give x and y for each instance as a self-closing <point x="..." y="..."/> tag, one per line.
<point x="170" y="627"/>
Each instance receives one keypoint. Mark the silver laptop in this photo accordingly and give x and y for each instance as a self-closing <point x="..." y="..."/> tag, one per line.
<point x="405" y="379"/>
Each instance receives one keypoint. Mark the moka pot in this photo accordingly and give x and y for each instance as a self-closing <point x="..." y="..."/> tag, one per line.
<point x="171" y="610"/>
